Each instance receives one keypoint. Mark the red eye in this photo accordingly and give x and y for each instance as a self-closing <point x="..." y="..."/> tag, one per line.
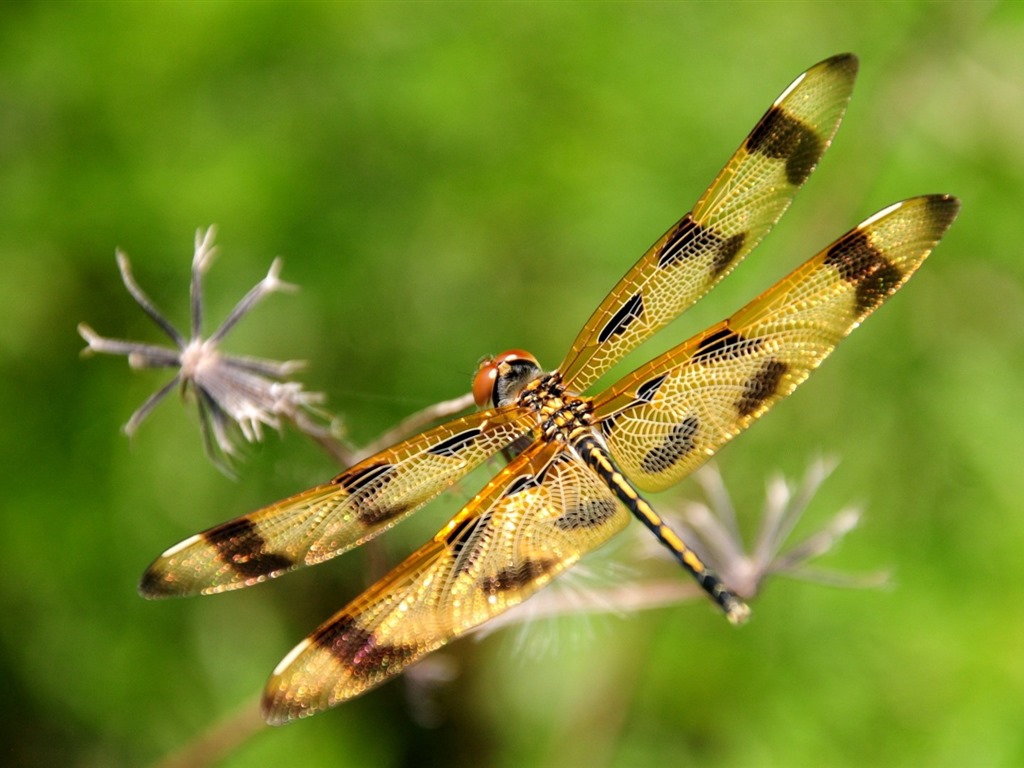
<point x="487" y="373"/>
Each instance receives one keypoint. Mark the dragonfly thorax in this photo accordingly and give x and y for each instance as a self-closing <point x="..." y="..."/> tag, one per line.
<point x="560" y="415"/>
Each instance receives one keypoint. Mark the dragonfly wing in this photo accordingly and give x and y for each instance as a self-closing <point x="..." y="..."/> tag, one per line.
<point x="667" y="417"/>
<point x="329" y="519"/>
<point x="534" y="520"/>
<point x="739" y="208"/>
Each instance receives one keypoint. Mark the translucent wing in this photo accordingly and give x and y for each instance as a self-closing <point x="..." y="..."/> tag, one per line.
<point x="530" y="523"/>
<point x="738" y="209"/>
<point x="332" y="518"/>
<point x="667" y="417"/>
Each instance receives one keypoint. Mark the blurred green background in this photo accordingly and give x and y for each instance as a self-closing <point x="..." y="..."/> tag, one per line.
<point x="446" y="181"/>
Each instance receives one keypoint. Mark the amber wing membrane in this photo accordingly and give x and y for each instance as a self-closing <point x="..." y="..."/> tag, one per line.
<point x="739" y="208"/>
<point x="332" y="518"/>
<point x="534" y="520"/>
<point x="667" y="417"/>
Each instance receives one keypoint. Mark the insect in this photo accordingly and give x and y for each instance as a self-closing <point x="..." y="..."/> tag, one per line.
<point x="578" y="463"/>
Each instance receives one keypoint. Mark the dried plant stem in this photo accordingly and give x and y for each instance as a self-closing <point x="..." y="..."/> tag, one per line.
<point x="216" y="744"/>
<point x="415" y="423"/>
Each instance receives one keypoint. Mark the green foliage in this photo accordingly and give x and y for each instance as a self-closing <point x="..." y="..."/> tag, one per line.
<point x="445" y="181"/>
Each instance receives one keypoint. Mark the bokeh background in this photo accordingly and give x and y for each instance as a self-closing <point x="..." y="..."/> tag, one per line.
<point x="446" y="181"/>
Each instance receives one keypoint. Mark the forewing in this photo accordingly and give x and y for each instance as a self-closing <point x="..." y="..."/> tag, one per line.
<point x="730" y="219"/>
<point x="666" y="418"/>
<point x="530" y="523"/>
<point x="325" y="521"/>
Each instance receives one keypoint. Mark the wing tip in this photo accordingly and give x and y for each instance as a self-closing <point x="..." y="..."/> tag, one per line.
<point x="273" y="712"/>
<point x="847" y="63"/>
<point x="279" y="706"/>
<point x="154" y="585"/>
<point x="159" y="582"/>
<point x="943" y="208"/>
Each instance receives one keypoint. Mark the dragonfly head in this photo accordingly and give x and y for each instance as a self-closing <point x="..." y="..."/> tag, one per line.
<point x="500" y="379"/>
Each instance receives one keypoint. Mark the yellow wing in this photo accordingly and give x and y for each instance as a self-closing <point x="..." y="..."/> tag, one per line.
<point x="667" y="417"/>
<point x="739" y="208"/>
<point x="530" y="523"/>
<point x="325" y="521"/>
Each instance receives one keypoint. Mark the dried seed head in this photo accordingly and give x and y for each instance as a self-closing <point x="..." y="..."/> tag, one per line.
<point x="236" y="395"/>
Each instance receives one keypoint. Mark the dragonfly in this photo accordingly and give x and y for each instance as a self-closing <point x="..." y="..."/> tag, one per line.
<point x="578" y="466"/>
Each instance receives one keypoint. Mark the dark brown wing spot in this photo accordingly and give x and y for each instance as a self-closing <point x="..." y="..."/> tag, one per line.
<point x="607" y="425"/>
<point x="761" y="386"/>
<point x="678" y="443"/>
<point x="782" y="137"/>
<point x="726" y="252"/>
<point x="457" y="534"/>
<point x="724" y="344"/>
<point x="689" y="239"/>
<point x="360" y="476"/>
<point x="859" y="262"/>
<point x="520" y="484"/>
<point x="359" y="651"/>
<point x="876" y="287"/>
<point x="586" y="514"/>
<point x="644" y="394"/>
<point x="465" y="542"/>
<point x="455" y="443"/>
<point x="646" y="391"/>
<point x="366" y="484"/>
<point x="627" y="314"/>
<point x="239" y="545"/>
<point x="516" y="576"/>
